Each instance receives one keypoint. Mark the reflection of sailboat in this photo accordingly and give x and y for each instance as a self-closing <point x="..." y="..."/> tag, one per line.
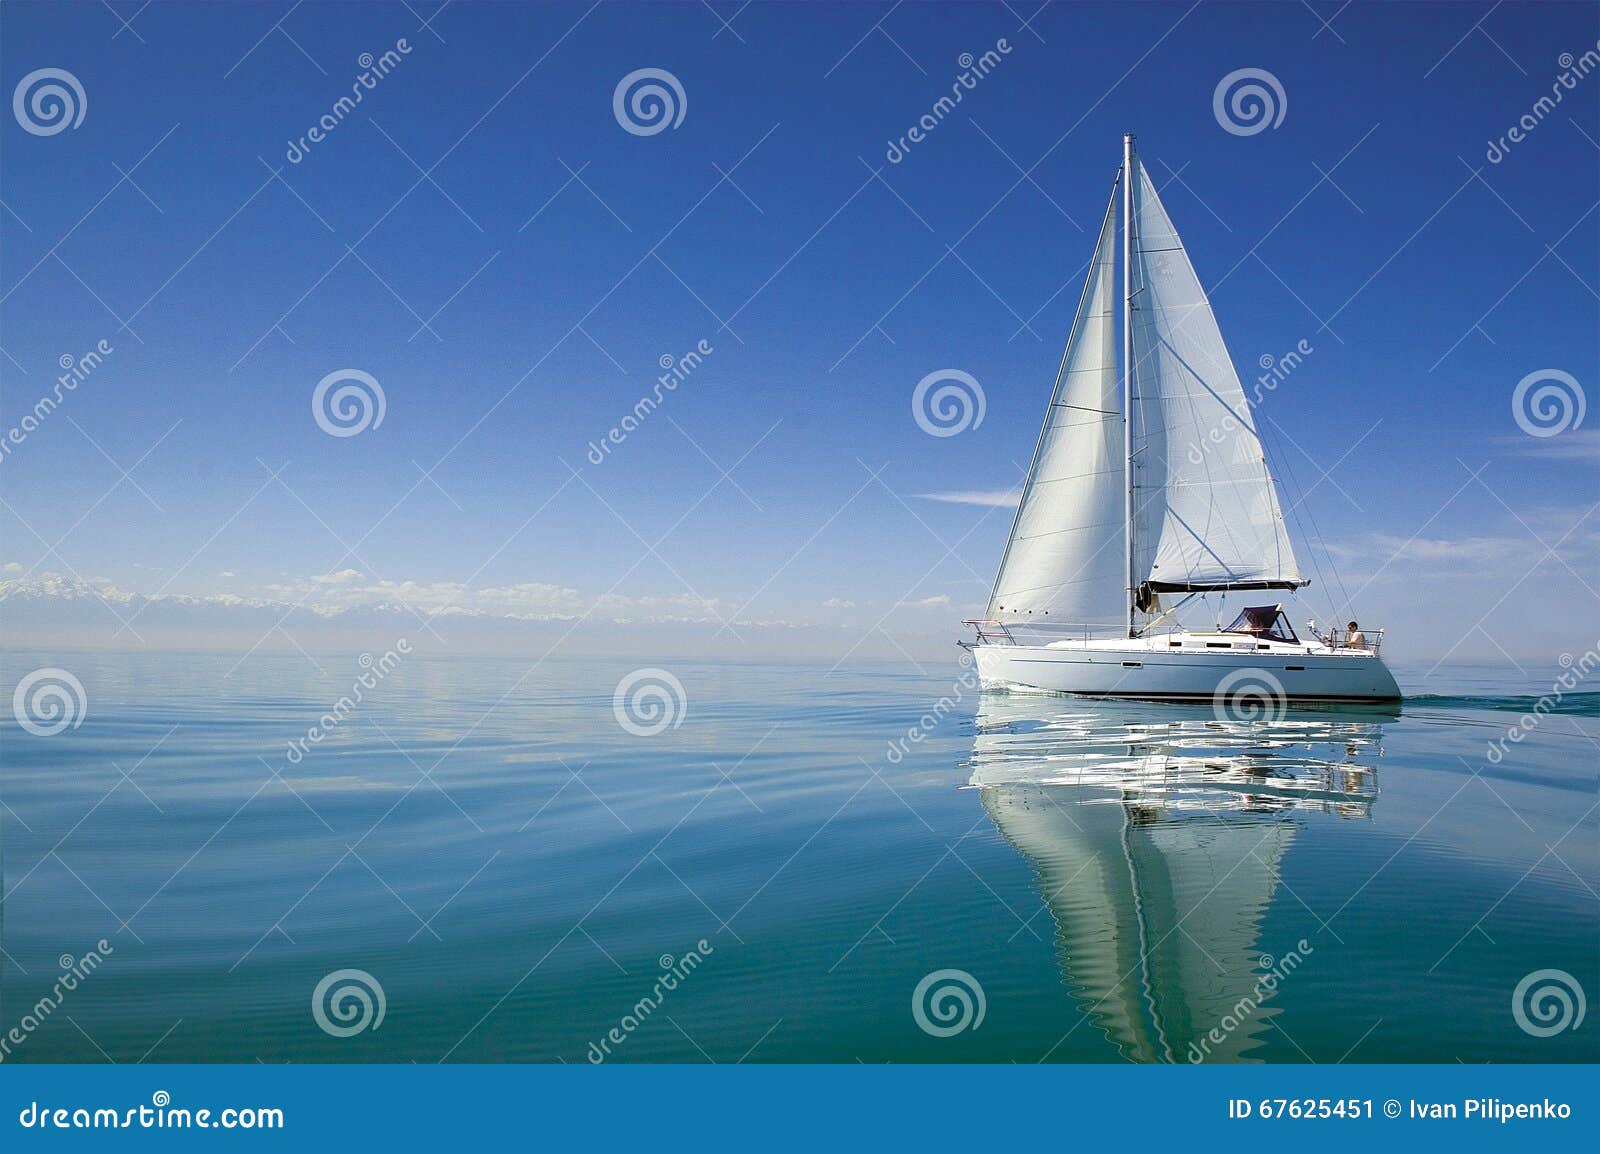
<point x="1158" y="849"/>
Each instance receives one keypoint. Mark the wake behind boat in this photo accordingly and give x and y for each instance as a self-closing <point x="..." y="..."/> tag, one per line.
<point x="1146" y="494"/>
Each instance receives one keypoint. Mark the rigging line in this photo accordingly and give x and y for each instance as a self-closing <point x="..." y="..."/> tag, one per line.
<point x="1313" y="537"/>
<point x="1311" y="516"/>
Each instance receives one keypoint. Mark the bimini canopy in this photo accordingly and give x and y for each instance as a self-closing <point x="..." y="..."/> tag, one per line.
<point x="1268" y="621"/>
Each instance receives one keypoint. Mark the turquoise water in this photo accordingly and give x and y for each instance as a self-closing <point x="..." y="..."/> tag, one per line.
<point x="517" y="872"/>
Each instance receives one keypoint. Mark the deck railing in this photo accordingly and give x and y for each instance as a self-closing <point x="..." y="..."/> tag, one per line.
<point x="1339" y="639"/>
<point x="994" y="632"/>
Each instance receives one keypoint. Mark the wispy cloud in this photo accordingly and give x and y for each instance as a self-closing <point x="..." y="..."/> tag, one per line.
<point x="991" y="498"/>
<point x="1572" y="445"/>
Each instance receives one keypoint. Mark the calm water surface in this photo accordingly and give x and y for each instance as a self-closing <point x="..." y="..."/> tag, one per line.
<point x="517" y="871"/>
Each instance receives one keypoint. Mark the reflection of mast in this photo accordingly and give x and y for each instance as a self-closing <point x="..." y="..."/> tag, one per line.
<point x="1156" y="921"/>
<point x="1158" y="849"/>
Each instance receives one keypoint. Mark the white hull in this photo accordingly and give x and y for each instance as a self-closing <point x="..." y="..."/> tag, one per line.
<point x="1187" y="667"/>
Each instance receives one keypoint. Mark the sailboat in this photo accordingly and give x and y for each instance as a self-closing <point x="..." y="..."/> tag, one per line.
<point x="1147" y="492"/>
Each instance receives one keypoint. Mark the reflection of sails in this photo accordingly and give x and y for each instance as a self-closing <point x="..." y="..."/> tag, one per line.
<point x="1158" y="836"/>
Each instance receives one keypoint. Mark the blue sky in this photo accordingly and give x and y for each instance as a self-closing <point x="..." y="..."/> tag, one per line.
<point x="555" y="258"/>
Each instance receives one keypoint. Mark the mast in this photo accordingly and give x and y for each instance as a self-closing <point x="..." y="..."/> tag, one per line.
<point x="1127" y="358"/>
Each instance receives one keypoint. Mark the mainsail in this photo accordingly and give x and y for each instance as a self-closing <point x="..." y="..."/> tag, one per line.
<point x="1064" y="561"/>
<point x="1206" y="511"/>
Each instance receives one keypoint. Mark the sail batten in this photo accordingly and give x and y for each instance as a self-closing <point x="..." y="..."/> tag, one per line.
<point x="1063" y="562"/>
